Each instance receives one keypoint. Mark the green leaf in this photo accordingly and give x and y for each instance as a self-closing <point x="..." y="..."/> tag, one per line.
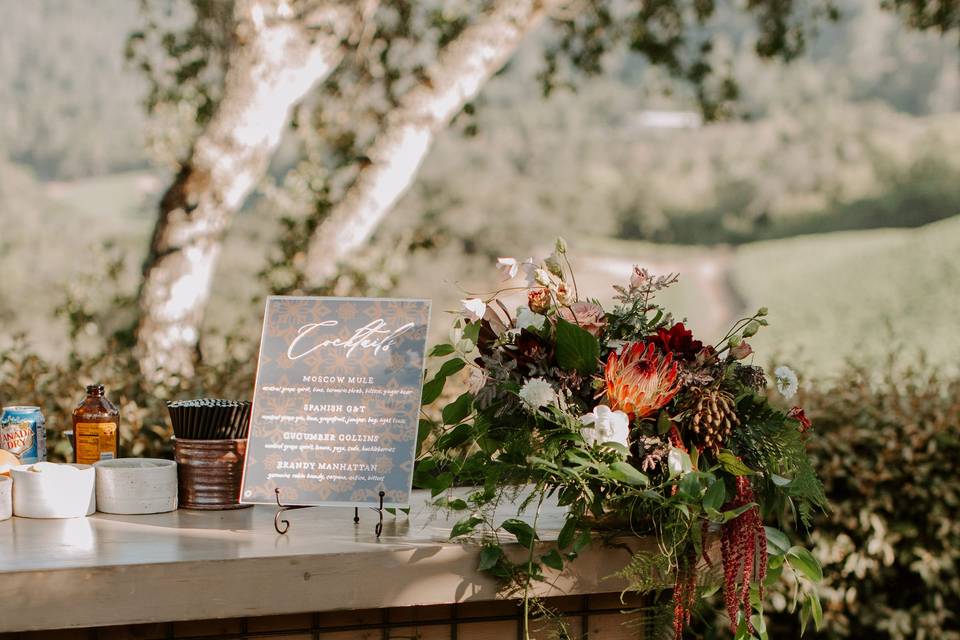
<point x="760" y="625"/>
<point x="553" y="560"/>
<point x="465" y="526"/>
<point x="663" y="423"/>
<point x="450" y="367"/>
<point x="458" y="409"/>
<point x="626" y="472"/>
<point x="696" y="535"/>
<point x="582" y="542"/>
<point x="440" y="484"/>
<point x="457" y="504"/>
<point x="689" y="486"/>
<point x="576" y="458"/>
<point x="715" y="495"/>
<point x="441" y="350"/>
<point x="732" y="464"/>
<point x="423" y="430"/>
<point x="743" y="632"/>
<point x="734" y="513"/>
<point x="773" y="575"/>
<point x="567" y="532"/>
<point x="804" y="616"/>
<point x="454" y="438"/>
<point x="432" y="390"/>
<point x="489" y="557"/>
<point x="804" y="562"/>
<point x="523" y="531"/>
<point x="616" y="446"/>
<point x="777" y="541"/>
<point x="816" y="611"/>
<point x="472" y="332"/>
<point x="577" y="349"/>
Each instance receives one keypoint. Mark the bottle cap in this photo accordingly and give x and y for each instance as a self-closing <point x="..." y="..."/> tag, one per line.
<point x="95" y="389"/>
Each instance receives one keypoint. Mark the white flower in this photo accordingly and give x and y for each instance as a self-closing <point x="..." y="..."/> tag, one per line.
<point x="678" y="462"/>
<point x="786" y="381"/>
<point x="527" y="318"/>
<point x="529" y="270"/>
<point x="552" y="263"/>
<point x="476" y="380"/>
<point x="542" y="277"/>
<point x="474" y="307"/>
<point x="508" y="268"/>
<point x="604" y="425"/>
<point x="537" y="392"/>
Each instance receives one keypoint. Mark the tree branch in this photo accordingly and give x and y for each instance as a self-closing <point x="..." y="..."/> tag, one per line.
<point x="275" y="61"/>
<point x="460" y="71"/>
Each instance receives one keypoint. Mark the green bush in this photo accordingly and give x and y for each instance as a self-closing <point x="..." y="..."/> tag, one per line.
<point x="887" y="446"/>
<point x="57" y="387"/>
<point x="99" y="349"/>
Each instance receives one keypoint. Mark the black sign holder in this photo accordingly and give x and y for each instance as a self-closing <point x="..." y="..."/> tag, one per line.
<point x="282" y="525"/>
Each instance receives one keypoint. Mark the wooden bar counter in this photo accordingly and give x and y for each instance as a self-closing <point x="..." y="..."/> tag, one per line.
<point x="228" y="574"/>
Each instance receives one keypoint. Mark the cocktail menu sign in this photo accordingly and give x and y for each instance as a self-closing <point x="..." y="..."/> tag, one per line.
<point x="337" y="400"/>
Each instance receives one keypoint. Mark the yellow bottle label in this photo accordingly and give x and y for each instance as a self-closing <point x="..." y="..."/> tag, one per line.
<point x="95" y="441"/>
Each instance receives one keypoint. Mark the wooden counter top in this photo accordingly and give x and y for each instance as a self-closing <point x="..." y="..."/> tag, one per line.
<point x="192" y="565"/>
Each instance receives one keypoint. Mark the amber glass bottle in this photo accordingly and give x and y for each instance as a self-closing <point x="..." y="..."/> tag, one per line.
<point x="96" y="427"/>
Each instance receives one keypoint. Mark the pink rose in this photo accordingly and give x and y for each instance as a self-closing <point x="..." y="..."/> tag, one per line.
<point x="587" y="315"/>
<point x="741" y="351"/>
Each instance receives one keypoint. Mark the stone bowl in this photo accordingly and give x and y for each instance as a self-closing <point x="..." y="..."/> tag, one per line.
<point x="136" y="486"/>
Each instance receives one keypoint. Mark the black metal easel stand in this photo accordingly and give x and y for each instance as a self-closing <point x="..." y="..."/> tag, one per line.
<point x="282" y="525"/>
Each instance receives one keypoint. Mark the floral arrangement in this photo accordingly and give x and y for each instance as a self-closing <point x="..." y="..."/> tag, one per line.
<point x="634" y="426"/>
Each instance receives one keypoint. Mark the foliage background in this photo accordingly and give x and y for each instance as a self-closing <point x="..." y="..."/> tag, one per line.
<point x="833" y="200"/>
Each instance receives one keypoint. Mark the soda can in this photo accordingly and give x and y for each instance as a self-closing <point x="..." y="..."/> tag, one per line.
<point x="23" y="433"/>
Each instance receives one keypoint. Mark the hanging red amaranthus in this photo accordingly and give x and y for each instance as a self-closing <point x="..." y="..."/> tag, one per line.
<point x="684" y="591"/>
<point x="743" y="542"/>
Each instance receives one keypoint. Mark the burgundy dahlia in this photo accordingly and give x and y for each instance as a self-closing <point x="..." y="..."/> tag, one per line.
<point x="679" y="341"/>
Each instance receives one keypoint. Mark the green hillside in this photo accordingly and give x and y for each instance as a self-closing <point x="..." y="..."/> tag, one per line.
<point x="831" y="296"/>
<point x="865" y="293"/>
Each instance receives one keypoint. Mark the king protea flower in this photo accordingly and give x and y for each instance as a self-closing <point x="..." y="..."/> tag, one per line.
<point x="639" y="380"/>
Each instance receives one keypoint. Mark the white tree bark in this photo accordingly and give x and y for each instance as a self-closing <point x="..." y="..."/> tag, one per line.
<point x="278" y="57"/>
<point x="460" y="71"/>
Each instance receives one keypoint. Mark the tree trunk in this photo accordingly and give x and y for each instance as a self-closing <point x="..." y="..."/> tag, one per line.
<point x="460" y="71"/>
<point x="277" y="58"/>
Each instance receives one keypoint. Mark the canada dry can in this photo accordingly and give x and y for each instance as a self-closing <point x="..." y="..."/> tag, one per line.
<point x="23" y="433"/>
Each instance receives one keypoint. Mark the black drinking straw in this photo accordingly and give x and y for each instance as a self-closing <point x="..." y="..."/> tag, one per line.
<point x="210" y="418"/>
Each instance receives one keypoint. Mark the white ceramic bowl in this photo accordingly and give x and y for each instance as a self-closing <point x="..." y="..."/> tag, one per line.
<point x="6" y="497"/>
<point x="53" y="491"/>
<point x="136" y="485"/>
